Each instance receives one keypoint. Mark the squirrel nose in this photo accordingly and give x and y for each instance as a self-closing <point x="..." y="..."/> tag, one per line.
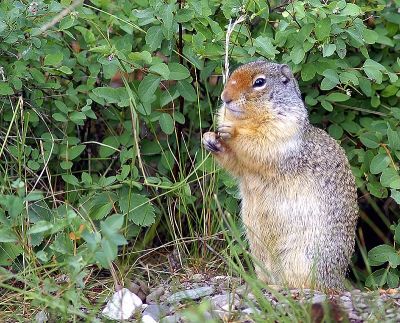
<point x="225" y="97"/>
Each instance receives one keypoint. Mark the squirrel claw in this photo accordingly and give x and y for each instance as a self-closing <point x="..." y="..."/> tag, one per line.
<point x="212" y="143"/>
<point x="225" y="131"/>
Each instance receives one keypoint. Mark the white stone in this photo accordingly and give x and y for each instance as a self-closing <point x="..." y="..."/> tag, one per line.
<point x="122" y="305"/>
<point x="148" y="319"/>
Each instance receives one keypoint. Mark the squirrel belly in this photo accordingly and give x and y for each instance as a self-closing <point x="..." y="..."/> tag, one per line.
<point x="299" y="199"/>
<point x="300" y="221"/>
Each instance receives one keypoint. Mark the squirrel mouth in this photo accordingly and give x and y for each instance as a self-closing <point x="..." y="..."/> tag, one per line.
<point x="231" y="109"/>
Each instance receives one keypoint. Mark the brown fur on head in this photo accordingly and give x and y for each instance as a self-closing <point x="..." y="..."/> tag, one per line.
<point x="261" y="95"/>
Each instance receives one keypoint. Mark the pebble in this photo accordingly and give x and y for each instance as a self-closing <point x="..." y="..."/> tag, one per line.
<point x="171" y="319"/>
<point x="190" y="294"/>
<point x="319" y="298"/>
<point x="156" y="311"/>
<point x="250" y="311"/>
<point x="231" y="299"/>
<point x="155" y="295"/>
<point x="122" y="305"/>
<point x="148" y="319"/>
<point x="41" y="317"/>
<point x="225" y="302"/>
<point x="197" y="278"/>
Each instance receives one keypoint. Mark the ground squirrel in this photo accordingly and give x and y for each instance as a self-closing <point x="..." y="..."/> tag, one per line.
<point x="299" y="199"/>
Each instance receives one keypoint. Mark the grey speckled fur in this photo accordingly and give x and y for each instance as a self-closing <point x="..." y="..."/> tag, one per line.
<point x="299" y="199"/>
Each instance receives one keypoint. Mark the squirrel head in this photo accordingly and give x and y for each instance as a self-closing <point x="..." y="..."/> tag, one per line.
<point x="264" y="91"/>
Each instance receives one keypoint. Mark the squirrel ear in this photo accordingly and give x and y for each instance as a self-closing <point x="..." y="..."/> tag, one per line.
<point x="286" y="73"/>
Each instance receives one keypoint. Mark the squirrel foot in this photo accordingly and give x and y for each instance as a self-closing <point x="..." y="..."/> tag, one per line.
<point x="212" y="143"/>
<point x="225" y="130"/>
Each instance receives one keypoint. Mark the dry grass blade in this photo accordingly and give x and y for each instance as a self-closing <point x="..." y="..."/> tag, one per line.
<point x="229" y="31"/>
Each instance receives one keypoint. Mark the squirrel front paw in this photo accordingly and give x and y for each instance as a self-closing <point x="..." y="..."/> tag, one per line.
<point x="225" y="130"/>
<point x="212" y="143"/>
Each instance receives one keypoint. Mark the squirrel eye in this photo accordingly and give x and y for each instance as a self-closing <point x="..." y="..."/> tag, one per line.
<point x="259" y="82"/>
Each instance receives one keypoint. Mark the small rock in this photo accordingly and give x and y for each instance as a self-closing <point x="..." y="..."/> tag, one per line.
<point x="223" y="315"/>
<point x="155" y="295"/>
<point x="156" y="311"/>
<point x="141" y="294"/>
<point x="122" y="305"/>
<point x="250" y="311"/>
<point x="41" y="317"/>
<point x="319" y="298"/>
<point x="225" y="302"/>
<point x="241" y="290"/>
<point x="144" y="287"/>
<point x="148" y="319"/>
<point x="190" y="294"/>
<point x="134" y="288"/>
<point x="219" y="279"/>
<point x="197" y="278"/>
<point x="171" y="319"/>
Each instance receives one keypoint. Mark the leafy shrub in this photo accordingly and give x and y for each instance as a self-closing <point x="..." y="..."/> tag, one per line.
<point x="101" y="114"/>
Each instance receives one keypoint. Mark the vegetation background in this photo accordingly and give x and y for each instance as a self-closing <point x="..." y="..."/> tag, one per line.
<point x="102" y="109"/>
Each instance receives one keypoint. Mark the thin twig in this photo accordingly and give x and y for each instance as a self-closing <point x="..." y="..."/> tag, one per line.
<point x="60" y="16"/>
<point x="231" y="27"/>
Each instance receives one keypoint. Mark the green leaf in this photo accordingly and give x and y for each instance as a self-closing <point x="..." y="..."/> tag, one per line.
<point x="265" y="47"/>
<point x="5" y="89"/>
<point x="70" y="179"/>
<point x="297" y="54"/>
<point x="65" y="70"/>
<point x="154" y="37"/>
<point x="139" y="209"/>
<point x="380" y="254"/>
<point x="148" y="87"/>
<point x="66" y="164"/>
<point x="390" y="178"/>
<point x="395" y="195"/>
<point x="328" y="50"/>
<point x="167" y="123"/>
<point x="9" y="251"/>
<point x="365" y="86"/>
<point x="140" y="57"/>
<point x="7" y="235"/>
<point x="75" y="151"/>
<point x="351" y="9"/>
<point x="337" y="97"/>
<point x="327" y="105"/>
<point x="393" y="138"/>
<point x="335" y="131"/>
<point x="373" y="70"/>
<point x="112" y="95"/>
<point x="327" y="84"/>
<point x="308" y="71"/>
<point x="369" y="140"/>
<point x="331" y="75"/>
<point x="178" y="71"/>
<point x="113" y="223"/>
<point x="397" y="233"/>
<point x="370" y="36"/>
<point x="53" y="59"/>
<point x="389" y="90"/>
<point x="323" y="28"/>
<point x="109" y="146"/>
<point x="379" y="163"/>
<point x="377" y="278"/>
<point x="392" y="279"/>
<point x="60" y="117"/>
<point x="40" y="226"/>
<point x="187" y="91"/>
<point x="161" y="69"/>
